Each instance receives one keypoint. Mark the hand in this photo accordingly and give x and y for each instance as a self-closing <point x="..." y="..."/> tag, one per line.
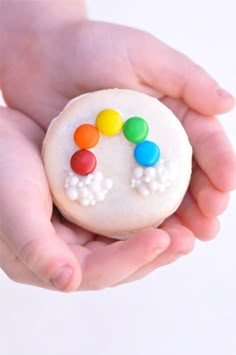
<point x="82" y="57"/>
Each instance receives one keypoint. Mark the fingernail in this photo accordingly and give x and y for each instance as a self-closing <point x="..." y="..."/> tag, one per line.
<point x="224" y="94"/>
<point x="62" y="277"/>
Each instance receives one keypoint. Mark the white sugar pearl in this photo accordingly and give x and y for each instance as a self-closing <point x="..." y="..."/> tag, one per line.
<point x="163" y="178"/>
<point x="95" y="186"/>
<point x="169" y="164"/>
<point x="85" y="202"/>
<point x="88" y="179"/>
<point x="84" y="192"/>
<point x="138" y="172"/>
<point x="100" y="196"/>
<point x="133" y="183"/>
<point x="138" y="182"/>
<point x="153" y="185"/>
<point x="71" y="173"/>
<point x="73" y="181"/>
<point x="72" y="193"/>
<point x="148" y="179"/>
<point x="160" y="169"/>
<point x="98" y="176"/>
<point x="67" y="180"/>
<point x="80" y="184"/>
<point x="93" y="202"/>
<point x="143" y="191"/>
<point x="107" y="184"/>
<point x="150" y="172"/>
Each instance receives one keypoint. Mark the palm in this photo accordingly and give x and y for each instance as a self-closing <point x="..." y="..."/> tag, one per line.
<point x="92" y="65"/>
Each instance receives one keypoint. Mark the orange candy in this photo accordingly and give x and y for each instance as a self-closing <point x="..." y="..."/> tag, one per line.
<point x="86" y="136"/>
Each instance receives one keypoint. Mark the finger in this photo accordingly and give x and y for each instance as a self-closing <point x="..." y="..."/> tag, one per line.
<point x="212" y="150"/>
<point x="107" y="266"/>
<point x="211" y="147"/>
<point x="69" y="232"/>
<point x="26" y="211"/>
<point x="182" y="243"/>
<point x="204" y="228"/>
<point x="35" y="242"/>
<point x="175" y="75"/>
<point x="14" y="268"/>
<point x="211" y="201"/>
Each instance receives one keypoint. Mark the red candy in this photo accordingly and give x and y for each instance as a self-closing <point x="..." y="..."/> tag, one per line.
<point x="83" y="162"/>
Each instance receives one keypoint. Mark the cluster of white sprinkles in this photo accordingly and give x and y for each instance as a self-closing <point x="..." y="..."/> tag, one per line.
<point x="153" y="179"/>
<point x="87" y="190"/>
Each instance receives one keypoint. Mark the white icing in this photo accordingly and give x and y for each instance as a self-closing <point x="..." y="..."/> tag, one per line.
<point x="87" y="190"/>
<point x="107" y="183"/>
<point x="153" y="179"/>
<point x="100" y="196"/>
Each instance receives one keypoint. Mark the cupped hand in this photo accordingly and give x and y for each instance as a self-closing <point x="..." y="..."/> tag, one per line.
<point x="40" y="247"/>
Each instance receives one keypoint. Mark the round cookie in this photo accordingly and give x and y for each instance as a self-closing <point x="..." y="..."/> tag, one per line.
<point x="117" y="161"/>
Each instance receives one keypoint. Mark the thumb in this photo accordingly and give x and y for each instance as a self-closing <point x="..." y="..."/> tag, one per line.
<point x="174" y="74"/>
<point x="26" y="210"/>
<point x="34" y="241"/>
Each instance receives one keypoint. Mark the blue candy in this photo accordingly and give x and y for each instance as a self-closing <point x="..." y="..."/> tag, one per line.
<point x="147" y="153"/>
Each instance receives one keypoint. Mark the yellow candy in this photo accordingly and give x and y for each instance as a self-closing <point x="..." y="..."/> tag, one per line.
<point x="109" y="122"/>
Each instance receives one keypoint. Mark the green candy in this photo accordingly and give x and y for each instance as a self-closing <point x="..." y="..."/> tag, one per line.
<point x="135" y="129"/>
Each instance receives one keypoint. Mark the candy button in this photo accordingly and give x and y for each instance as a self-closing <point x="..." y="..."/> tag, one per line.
<point x="109" y="122"/>
<point x="86" y="136"/>
<point x="83" y="162"/>
<point x="135" y="129"/>
<point x="147" y="153"/>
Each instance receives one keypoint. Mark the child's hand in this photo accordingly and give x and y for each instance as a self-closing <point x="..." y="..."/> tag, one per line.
<point x="34" y="247"/>
<point x="42" y="69"/>
<point x="74" y="58"/>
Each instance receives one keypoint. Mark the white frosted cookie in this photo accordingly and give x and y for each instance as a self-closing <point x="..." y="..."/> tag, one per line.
<point x="117" y="161"/>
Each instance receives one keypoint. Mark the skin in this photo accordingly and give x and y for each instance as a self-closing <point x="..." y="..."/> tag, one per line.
<point x="44" y="67"/>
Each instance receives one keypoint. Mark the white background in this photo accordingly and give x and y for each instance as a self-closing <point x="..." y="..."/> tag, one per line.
<point x="187" y="308"/>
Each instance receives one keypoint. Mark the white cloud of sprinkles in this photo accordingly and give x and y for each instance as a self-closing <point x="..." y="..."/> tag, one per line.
<point x="93" y="188"/>
<point x="87" y="190"/>
<point x="148" y="180"/>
